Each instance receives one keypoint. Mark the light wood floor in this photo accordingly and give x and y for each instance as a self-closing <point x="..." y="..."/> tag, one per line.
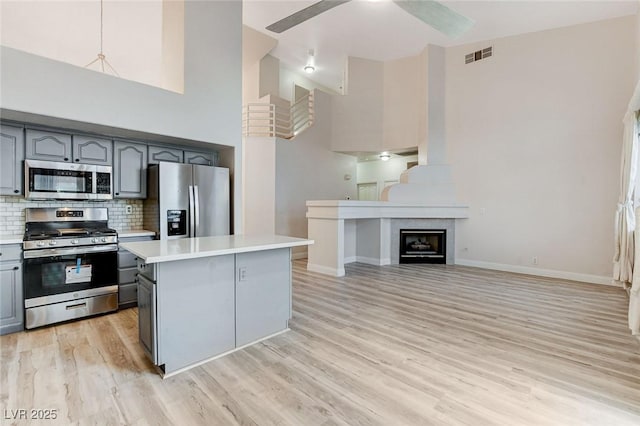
<point x="413" y="345"/>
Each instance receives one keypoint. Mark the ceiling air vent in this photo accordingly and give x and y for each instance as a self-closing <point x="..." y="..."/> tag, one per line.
<point x="478" y="54"/>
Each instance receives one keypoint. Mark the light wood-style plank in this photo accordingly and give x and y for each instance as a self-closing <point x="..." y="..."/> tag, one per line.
<point x="403" y="344"/>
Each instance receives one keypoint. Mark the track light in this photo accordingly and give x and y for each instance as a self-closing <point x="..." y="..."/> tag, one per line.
<point x="385" y="156"/>
<point x="310" y="67"/>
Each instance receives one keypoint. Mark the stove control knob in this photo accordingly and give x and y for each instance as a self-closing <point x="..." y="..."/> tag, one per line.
<point x="52" y="243"/>
<point x="103" y="239"/>
<point x="74" y="241"/>
<point x="40" y="244"/>
<point x="94" y="240"/>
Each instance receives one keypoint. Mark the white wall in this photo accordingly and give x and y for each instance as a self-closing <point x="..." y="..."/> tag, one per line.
<point x="289" y="78"/>
<point x="379" y="171"/>
<point x="208" y="111"/>
<point x="384" y="108"/>
<point x="306" y="169"/>
<point x="358" y="115"/>
<point x="404" y="103"/>
<point x="269" y="76"/>
<point x="259" y="168"/>
<point x="534" y="136"/>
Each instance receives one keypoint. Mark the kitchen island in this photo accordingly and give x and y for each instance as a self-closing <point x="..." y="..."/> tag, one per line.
<point x="201" y="298"/>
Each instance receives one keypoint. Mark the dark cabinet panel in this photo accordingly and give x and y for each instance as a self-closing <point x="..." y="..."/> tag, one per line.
<point x="160" y="153"/>
<point x="263" y="298"/>
<point x="92" y="150"/>
<point x="48" y="146"/>
<point x="129" y="170"/>
<point x="200" y="158"/>
<point x="11" y="301"/>
<point x="11" y="158"/>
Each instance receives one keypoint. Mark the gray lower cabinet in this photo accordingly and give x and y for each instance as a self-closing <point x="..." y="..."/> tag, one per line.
<point x="91" y="150"/>
<point x="127" y="275"/>
<point x="48" y="146"/>
<point x="263" y="299"/>
<point x="161" y="153"/>
<point x="11" y="159"/>
<point x="147" y="325"/>
<point x="11" y="300"/>
<point x="196" y="300"/>
<point x="194" y="309"/>
<point x="129" y="170"/>
<point x="201" y="158"/>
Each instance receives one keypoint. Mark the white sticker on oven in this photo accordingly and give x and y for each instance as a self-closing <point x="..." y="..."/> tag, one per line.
<point x="78" y="274"/>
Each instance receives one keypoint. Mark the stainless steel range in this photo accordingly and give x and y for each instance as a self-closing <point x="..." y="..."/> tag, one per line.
<point x="70" y="264"/>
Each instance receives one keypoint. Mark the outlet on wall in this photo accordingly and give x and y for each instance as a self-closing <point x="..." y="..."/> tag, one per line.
<point x="534" y="260"/>
<point x="128" y="209"/>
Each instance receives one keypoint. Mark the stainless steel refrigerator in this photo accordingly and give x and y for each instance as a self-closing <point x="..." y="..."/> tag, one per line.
<point x="185" y="200"/>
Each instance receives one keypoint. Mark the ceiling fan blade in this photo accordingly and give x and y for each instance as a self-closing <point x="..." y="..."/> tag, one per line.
<point x="304" y="14"/>
<point x="438" y="16"/>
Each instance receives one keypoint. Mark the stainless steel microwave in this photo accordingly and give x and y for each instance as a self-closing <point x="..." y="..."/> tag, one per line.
<point x="46" y="180"/>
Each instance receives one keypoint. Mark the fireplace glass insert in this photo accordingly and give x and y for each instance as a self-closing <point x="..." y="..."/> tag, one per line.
<point x="423" y="246"/>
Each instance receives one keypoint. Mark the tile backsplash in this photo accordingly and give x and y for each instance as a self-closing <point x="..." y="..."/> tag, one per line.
<point x="12" y="212"/>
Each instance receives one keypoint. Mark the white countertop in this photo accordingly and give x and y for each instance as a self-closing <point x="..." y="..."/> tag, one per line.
<point x="11" y="238"/>
<point x="191" y="248"/>
<point x="136" y="233"/>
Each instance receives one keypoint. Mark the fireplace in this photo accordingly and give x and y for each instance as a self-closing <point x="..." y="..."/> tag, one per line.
<point x="423" y="246"/>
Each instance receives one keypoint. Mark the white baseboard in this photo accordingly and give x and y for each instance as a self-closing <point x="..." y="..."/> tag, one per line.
<point x="549" y="273"/>
<point x="350" y="259"/>
<point x="372" y="260"/>
<point x="321" y="269"/>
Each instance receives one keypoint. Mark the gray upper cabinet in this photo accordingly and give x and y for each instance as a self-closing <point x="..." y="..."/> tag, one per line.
<point x="48" y="146"/>
<point x="129" y="170"/>
<point x="201" y="158"/>
<point x="161" y="153"/>
<point x="11" y="157"/>
<point x="92" y="150"/>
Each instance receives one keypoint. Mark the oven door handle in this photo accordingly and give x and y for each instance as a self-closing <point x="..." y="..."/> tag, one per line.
<point x="32" y="254"/>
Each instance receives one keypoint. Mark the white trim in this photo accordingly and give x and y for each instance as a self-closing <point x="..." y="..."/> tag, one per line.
<point x="321" y="269"/>
<point x="350" y="259"/>
<point x="204" y="361"/>
<point x="371" y="260"/>
<point x="549" y="273"/>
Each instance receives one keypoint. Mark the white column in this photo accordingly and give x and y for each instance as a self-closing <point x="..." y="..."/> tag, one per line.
<point x="326" y="255"/>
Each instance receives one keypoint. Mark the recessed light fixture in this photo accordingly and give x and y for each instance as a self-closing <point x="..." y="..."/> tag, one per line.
<point x="385" y="156"/>
<point x="309" y="68"/>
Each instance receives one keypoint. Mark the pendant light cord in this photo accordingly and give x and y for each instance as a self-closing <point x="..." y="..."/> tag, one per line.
<point x="101" y="24"/>
<point x="102" y="59"/>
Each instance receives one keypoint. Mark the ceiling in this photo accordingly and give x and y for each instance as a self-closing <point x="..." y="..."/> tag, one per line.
<point x="381" y="30"/>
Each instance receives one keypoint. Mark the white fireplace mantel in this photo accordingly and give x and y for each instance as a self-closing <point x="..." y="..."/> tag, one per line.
<point x="346" y="230"/>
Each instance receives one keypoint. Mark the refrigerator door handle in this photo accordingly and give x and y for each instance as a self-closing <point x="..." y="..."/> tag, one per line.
<point x="192" y="221"/>
<point x="196" y="197"/>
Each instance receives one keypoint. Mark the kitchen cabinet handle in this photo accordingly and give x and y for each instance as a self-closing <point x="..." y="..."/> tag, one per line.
<point x="77" y="160"/>
<point x="117" y="193"/>
<point x="15" y="191"/>
<point x="15" y="268"/>
<point x="66" y="159"/>
<point x="77" y="306"/>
